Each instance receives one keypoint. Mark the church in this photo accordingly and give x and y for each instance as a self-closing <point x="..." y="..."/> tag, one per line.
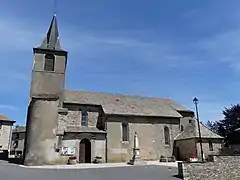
<point x="65" y="123"/>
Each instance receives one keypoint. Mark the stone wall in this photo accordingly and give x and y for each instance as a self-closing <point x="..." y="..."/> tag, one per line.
<point x="98" y="147"/>
<point x="223" y="168"/>
<point x="151" y="137"/>
<point x="5" y="135"/>
<point x="40" y="142"/>
<point x="217" y="144"/>
<point x="47" y="82"/>
<point x="73" y="118"/>
<point x="185" y="121"/>
<point x="187" y="148"/>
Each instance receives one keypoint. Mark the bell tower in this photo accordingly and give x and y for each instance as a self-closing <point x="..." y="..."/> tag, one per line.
<point x="47" y="85"/>
<point x="49" y="65"/>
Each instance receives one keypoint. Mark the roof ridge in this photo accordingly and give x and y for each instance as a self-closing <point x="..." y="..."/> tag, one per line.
<point x="119" y="94"/>
<point x="121" y="104"/>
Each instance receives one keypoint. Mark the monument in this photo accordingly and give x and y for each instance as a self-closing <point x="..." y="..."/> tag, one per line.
<point x="136" y="159"/>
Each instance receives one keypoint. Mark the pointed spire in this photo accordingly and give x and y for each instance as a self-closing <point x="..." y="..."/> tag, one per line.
<point x="51" y="40"/>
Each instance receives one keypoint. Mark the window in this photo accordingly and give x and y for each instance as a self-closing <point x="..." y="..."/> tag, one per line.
<point x="166" y="135"/>
<point x="17" y="136"/>
<point x="49" y="62"/>
<point x="125" y="131"/>
<point x="0" y="125"/>
<point x="84" y="118"/>
<point x="190" y="121"/>
<point x="182" y="128"/>
<point x="210" y="146"/>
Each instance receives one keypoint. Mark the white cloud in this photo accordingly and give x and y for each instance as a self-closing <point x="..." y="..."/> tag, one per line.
<point x="8" y="107"/>
<point x="22" y="36"/>
<point x="223" y="48"/>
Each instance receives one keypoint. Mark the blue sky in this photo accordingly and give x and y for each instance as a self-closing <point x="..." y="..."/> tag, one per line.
<point x="164" y="48"/>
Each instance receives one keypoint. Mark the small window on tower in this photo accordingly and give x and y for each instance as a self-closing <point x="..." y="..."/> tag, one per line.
<point x="49" y="62"/>
<point x="210" y="146"/>
<point x="84" y="118"/>
<point x="182" y="128"/>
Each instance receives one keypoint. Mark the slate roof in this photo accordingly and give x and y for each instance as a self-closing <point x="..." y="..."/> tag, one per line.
<point x="118" y="104"/>
<point x="4" y="118"/>
<point x="19" y="129"/>
<point x="191" y="131"/>
<point x="51" y="40"/>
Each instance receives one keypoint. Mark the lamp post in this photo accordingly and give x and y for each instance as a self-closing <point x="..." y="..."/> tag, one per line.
<point x="195" y="101"/>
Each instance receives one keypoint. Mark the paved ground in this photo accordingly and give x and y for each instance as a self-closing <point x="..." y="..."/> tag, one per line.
<point x="104" y="165"/>
<point x="150" y="172"/>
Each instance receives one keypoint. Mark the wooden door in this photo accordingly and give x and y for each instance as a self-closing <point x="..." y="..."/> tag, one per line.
<point x="82" y="152"/>
<point x="85" y="151"/>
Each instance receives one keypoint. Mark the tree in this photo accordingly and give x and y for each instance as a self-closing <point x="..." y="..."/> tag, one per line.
<point x="212" y="125"/>
<point x="228" y="125"/>
<point x="217" y="127"/>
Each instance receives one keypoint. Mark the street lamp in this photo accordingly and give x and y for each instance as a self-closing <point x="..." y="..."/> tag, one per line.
<point x="195" y="101"/>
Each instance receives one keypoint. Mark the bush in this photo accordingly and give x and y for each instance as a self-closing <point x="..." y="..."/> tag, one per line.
<point x="97" y="160"/>
<point x="163" y="159"/>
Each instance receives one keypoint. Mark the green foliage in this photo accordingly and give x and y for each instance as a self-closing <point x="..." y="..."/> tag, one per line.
<point x="227" y="126"/>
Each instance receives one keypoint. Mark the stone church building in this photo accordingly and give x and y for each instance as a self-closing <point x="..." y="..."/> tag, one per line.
<point x="63" y="123"/>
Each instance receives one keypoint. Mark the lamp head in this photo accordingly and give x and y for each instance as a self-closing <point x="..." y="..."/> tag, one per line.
<point x="195" y="100"/>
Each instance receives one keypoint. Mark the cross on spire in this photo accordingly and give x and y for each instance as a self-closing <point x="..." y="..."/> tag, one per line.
<point x="55" y="7"/>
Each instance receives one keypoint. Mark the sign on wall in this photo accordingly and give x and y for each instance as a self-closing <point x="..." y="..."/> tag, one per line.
<point x="67" y="151"/>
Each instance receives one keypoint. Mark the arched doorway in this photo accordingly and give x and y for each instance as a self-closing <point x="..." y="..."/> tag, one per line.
<point x="85" y="151"/>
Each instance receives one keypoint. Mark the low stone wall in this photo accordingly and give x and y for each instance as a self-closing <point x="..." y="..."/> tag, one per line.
<point x="223" y="168"/>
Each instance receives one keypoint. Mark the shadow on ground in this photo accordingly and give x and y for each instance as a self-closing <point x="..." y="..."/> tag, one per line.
<point x="15" y="160"/>
<point x="177" y="176"/>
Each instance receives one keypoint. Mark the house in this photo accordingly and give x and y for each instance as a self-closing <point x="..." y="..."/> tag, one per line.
<point x="187" y="143"/>
<point x="63" y="123"/>
<point x="5" y="135"/>
<point x="17" y="143"/>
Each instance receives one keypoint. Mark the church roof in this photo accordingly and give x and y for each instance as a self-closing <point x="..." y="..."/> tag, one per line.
<point x="51" y="40"/>
<point x="118" y="104"/>
<point x="191" y="131"/>
<point x="4" y="118"/>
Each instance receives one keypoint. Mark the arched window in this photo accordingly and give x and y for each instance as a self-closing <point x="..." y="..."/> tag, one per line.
<point x="182" y="128"/>
<point x="49" y="62"/>
<point x="125" y="131"/>
<point x="167" y="135"/>
<point x="84" y="118"/>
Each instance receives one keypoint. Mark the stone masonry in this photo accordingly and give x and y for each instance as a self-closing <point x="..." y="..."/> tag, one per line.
<point x="151" y="138"/>
<point x="223" y="168"/>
